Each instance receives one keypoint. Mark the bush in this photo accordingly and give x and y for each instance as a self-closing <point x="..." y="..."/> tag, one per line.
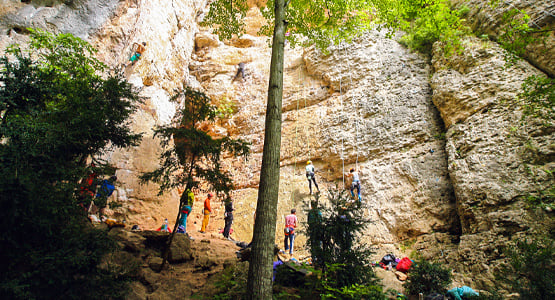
<point x="232" y="283"/>
<point x="427" y="278"/>
<point x="530" y="269"/>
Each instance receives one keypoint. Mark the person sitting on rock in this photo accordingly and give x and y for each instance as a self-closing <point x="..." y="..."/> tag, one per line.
<point x="165" y="227"/>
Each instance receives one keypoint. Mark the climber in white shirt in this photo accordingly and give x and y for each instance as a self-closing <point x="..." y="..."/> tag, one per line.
<point x="310" y="176"/>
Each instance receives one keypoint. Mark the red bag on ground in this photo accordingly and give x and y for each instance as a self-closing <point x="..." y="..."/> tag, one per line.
<point x="404" y="265"/>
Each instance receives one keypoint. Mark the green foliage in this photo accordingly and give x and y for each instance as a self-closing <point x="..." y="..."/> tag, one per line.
<point x="538" y="98"/>
<point x="56" y="110"/>
<point x="307" y="22"/>
<point x="487" y="295"/>
<point x="425" y="22"/>
<point x="516" y="35"/>
<point x="228" y="17"/>
<point x="355" y="291"/>
<point x="287" y="276"/>
<point x="346" y="267"/>
<point x="321" y="22"/>
<point x="232" y="283"/>
<point x="427" y="278"/>
<point x="191" y="154"/>
<point x="225" y="108"/>
<point x="194" y="154"/>
<point x="530" y="269"/>
<point x="542" y="198"/>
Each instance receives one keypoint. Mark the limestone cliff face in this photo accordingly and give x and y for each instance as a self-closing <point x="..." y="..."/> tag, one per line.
<point x="443" y="161"/>
<point x="488" y="17"/>
<point x="112" y="27"/>
<point x="496" y="158"/>
<point x="365" y="105"/>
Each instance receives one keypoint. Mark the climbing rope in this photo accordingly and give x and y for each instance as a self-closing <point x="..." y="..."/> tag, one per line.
<point x="356" y="110"/>
<point x="342" y="114"/>
<point x="295" y="144"/>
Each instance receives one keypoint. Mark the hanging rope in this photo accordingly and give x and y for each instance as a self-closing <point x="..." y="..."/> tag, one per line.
<point x="295" y="147"/>
<point x="355" y="107"/>
<point x="307" y="129"/>
<point x="342" y="113"/>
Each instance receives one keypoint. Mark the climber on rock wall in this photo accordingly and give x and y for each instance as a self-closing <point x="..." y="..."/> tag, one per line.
<point x="240" y="71"/>
<point x="356" y="183"/>
<point x="310" y="176"/>
<point x="139" y="50"/>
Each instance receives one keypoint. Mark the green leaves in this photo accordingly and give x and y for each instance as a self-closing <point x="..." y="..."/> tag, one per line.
<point x="228" y="17"/>
<point x="194" y="155"/>
<point x="424" y="21"/>
<point x="55" y="111"/>
<point x="426" y="277"/>
<point x="538" y="98"/>
<point x="332" y="235"/>
<point x="529" y="270"/>
<point x="319" y="22"/>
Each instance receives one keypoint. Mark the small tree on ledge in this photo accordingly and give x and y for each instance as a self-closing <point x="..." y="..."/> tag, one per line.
<point x="194" y="155"/>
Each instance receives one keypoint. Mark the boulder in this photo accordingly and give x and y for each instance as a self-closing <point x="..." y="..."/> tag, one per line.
<point x="180" y="250"/>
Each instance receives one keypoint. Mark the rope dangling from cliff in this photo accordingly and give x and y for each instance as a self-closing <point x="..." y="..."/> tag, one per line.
<point x="357" y="113"/>
<point x="342" y="113"/>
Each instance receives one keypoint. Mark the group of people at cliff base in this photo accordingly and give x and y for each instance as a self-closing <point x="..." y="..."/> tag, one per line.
<point x="94" y="193"/>
<point x="352" y="175"/>
<point x="187" y="208"/>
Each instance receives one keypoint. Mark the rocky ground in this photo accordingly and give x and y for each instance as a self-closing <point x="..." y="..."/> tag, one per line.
<point x="196" y="264"/>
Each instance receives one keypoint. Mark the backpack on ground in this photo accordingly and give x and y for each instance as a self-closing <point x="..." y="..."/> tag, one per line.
<point x="388" y="259"/>
<point x="404" y="265"/>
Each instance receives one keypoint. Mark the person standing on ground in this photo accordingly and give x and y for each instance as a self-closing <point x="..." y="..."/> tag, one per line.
<point x="356" y="183"/>
<point x="290" y="225"/>
<point x="106" y="189"/>
<point x="228" y="218"/>
<point x="185" y="211"/>
<point x="207" y="211"/>
<point x="310" y="176"/>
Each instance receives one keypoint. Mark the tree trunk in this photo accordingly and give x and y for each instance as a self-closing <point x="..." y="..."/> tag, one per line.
<point x="182" y="201"/>
<point x="259" y="284"/>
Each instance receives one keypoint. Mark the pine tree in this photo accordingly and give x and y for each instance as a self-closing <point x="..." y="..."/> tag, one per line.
<point x="332" y="238"/>
<point x="191" y="154"/>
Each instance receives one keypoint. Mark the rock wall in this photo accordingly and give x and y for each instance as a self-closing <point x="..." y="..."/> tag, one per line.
<point x="487" y="17"/>
<point x="445" y="166"/>
<point x="496" y="158"/>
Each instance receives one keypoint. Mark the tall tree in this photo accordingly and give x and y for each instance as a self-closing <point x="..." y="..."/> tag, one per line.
<point x="55" y="111"/>
<point x="322" y="22"/>
<point x="191" y="154"/>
